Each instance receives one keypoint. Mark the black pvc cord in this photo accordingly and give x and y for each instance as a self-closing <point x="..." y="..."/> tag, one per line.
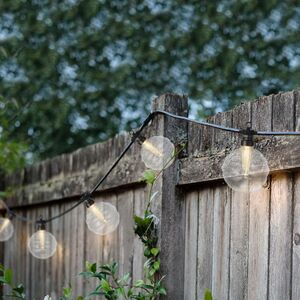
<point x="162" y="112"/>
<point x="86" y="196"/>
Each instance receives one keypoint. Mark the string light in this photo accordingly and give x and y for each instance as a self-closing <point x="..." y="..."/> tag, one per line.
<point x="102" y="218"/>
<point x="6" y="229"/>
<point x="156" y="152"/>
<point x="42" y="244"/>
<point x="245" y="169"/>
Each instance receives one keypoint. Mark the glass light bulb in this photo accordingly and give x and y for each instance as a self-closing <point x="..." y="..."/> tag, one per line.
<point x="245" y="169"/>
<point x="42" y="244"/>
<point x="156" y="152"/>
<point x="102" y="218"/>
<point x="6" y="229"/>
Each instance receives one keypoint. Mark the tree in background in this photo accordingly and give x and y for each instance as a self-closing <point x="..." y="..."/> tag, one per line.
<point x="12" y="152"/>
<point x="83" y="70"/>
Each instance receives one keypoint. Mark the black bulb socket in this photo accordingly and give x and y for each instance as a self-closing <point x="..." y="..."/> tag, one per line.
<point x="248" y="136"/>
<point x="41" y="224"/>
<point x="89" y="202"/>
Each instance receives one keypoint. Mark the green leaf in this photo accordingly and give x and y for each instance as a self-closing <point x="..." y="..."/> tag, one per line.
<point x="91" y="267"/>
<point x="162" y="291"/>
<point x="8" y="276"/>
<point x="155" y="251"/>
<point x="149" y="176"/>
<point x="139" y="283"/>
<point x="156" y="265"/>
<point x="105" y="285"/>
<point x="208" y="295"/>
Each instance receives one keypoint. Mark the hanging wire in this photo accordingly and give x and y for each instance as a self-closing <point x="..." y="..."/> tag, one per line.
<point x="88" y="195"/>
<point x="236" y="130"/>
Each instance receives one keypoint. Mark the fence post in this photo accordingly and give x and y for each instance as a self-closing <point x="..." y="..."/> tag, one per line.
<point x="170" y="205"/>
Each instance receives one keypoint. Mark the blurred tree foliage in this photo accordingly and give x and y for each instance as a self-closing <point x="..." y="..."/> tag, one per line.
<point x="83" y="70"/>
<point x="12" y="152"/>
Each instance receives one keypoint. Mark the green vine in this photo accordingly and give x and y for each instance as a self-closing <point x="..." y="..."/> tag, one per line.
<point x="6" y="279"/>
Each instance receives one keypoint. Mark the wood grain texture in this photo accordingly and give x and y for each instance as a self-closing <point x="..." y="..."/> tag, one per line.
<point x="280" y="237"/>
<point x="296" y="241"/>
<point x="258" y="245"/>
<point x="282" y="154"/>
<point x="191" y="245"/>
<point x="138" y="250"/>
<point x="259" y="212"/>
<point x="172" y="230"/>
<point x="239" y="246"/>
<point x="205" y="242"/>
<point x="221" y="242"/>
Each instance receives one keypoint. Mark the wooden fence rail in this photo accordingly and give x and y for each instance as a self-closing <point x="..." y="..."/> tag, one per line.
<point x="243" y="247"/>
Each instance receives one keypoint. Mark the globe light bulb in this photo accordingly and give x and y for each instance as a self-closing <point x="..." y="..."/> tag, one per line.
<point x="156" y="152"/>
<point x="102" y="218"/>
<point x="245" y="169"/>
<point x="6" y="229"/>
<point x="42" y="244"/>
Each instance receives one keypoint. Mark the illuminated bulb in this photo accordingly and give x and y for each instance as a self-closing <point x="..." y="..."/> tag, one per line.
<point x="6" y="229"/>
<point x="245" y="169"/>
<point x="156" y="152"/>
<point x="102" y="218"/>
<point x="42" y="244"/>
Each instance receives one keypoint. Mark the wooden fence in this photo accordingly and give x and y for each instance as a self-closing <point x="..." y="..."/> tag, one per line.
<point x="242" y="246"/>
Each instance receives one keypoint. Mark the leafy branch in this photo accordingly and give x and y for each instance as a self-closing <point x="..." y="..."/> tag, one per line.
<point x="6" y="279"/>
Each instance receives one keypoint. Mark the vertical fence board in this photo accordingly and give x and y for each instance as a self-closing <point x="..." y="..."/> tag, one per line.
<point x="221" y="242"/>
<point x="280" y="239"/>
<point x="239" y="246"/>
<point x="258" y="245"/>
<point x="296" y="244"/>
<point x="138" y="249"/>
<point x="205" y="241"/>
<point x="191" y="245"/>
<point x="259" y="215"/>
<point x="126" y="235"/>
<point x="239" y="221"/>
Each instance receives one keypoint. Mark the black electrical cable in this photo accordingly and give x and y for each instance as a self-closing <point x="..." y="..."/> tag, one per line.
<point x="86" y="196"/>
<point x="162" y="112"/>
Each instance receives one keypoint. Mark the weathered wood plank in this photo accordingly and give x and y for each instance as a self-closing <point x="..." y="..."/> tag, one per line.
<point x="127" y="173"/>
<point x="138" y="249"/>
<point x="205" y="242"/>
<point x="222" y="139"/>
<point x="57" y="258"/>
<point x="171" y="233"/>
<point x="125" y="230"/>
<point x="221" y="242"/>
<point x="239" y="246"/>
<point x="280" y="237"/>
<point x="282" y="154"/>
<point x="239" y="221"/>
<point x="191" y="245"/>
<point x="296" y="241"/>
<point x="259" y="214"/>
<point x="283" y="111"/>
<point x="258" y="245"/>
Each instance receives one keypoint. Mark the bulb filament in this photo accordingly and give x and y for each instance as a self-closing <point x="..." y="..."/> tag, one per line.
<point x="42" y="239"/>
<point x="246" y="159"/>
<point x="4" y="224"/>
<point x="98" y="213"/>
<point x="152" y="149"/>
